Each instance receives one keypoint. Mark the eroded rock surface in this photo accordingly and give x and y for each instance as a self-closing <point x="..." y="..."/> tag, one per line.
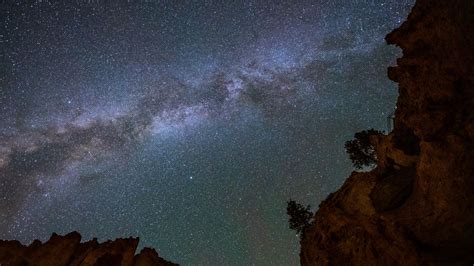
<point x="68" y="250"/>
<point x="417" y="206"/>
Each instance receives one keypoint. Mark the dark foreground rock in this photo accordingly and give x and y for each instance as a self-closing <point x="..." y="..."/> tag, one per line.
<point x="417" y="206"/>
<point x="68" y="250"/>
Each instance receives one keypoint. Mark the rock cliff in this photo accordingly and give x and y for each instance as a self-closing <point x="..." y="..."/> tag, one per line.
<point x="417" y="206"/>
<point x="68" y="250"/>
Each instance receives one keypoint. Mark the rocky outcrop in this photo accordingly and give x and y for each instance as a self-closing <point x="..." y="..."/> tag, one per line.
<point x="417" y="206"/>
<point x="68" y="250"/>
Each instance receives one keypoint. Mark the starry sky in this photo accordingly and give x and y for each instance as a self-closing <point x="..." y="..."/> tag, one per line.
<point x="186" y="123"/>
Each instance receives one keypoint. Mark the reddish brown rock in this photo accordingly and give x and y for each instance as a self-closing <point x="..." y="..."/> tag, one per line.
<point x="149" y="256"/>
<point x="68" y="250"/>
<point x="417" y="206"/>
<point x="56" y="251"/>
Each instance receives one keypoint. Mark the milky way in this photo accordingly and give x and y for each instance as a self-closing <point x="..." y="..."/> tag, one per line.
<point x="186" y="123"/>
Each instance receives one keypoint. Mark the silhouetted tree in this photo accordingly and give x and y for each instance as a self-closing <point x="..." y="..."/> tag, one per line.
<point x="300" y="216"/>
<point x="360" y="150"/>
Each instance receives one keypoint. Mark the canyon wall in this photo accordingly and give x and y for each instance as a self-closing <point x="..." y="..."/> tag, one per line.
<point x="417" y="206"/>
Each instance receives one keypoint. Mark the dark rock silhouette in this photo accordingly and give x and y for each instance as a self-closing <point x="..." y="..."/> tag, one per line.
<point x="417" y="206"/>
<point x="68" y="250"/>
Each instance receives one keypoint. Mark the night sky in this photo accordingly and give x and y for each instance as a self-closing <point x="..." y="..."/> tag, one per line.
<point x="186" y="123"/>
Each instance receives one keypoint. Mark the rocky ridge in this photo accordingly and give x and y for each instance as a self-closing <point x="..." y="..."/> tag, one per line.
<point x="68" y="250"/>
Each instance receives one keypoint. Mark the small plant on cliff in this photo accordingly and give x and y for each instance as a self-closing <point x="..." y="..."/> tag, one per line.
<point x="360" y="150"/>
<point x="300" y="216"/>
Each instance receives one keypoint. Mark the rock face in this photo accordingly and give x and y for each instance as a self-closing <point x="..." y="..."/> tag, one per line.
<point x="68" y="250"/>
<point x="417" y="206"/>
